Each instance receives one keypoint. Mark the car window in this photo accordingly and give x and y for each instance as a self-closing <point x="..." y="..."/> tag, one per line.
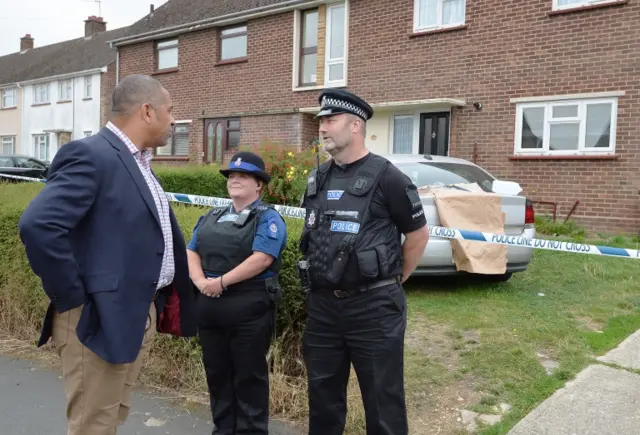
<point x="35" y="164"/>
<point x="6" y="162"/>
<point x="441" y="174"/>
<point x="23" y="162"/>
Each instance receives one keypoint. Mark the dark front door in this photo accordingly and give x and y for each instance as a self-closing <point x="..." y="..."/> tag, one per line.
<point x="213" y="140"/>
<point x="434" y="133"/>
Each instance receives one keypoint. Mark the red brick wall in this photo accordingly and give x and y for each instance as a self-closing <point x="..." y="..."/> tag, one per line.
<point x="505" y="52"/>
<point x="107" y="85"/>
<point x="201" y="88"/>
<point x="309" y="129"/>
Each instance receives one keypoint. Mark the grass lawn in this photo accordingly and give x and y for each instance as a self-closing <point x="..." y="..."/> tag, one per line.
<point x="473" y="345"/>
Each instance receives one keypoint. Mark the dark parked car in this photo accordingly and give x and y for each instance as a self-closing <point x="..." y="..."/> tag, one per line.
<point x="25" y="166"/>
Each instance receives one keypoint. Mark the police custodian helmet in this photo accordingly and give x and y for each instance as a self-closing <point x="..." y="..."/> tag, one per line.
<point x="245" y="161"/>
<point x="335" y="101"/>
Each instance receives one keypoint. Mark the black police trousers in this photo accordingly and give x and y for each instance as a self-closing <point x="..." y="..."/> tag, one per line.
<point x="235" y="332"/>
<point x="367" y="330"/>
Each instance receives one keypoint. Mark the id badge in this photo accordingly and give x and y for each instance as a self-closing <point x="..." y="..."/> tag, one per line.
<point x="311" y="218"/>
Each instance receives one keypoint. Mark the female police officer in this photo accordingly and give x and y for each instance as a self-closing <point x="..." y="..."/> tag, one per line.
<point x="234" y="260"/>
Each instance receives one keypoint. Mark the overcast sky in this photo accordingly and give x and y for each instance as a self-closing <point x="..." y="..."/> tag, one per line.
<point x="51" y="21"/>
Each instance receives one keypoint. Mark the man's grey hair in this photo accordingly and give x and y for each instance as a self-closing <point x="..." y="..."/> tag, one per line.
<point x="134" y="91"/>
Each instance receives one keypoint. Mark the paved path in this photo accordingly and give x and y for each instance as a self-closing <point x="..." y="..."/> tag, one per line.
<point x="601" y="400"/>
<point x="32" y="403"/>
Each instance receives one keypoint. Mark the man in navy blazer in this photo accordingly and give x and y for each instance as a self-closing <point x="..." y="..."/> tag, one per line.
<point x="109" y="251"/>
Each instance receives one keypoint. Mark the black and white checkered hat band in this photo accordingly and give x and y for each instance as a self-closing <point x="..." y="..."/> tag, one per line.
<point x="334" y="102"/>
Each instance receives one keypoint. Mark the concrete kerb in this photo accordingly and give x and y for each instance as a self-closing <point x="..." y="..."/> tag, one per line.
<point x="601" y="400"/>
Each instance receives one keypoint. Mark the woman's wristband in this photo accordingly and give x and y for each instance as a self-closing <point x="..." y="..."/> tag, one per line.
<point x="222" y="283"/>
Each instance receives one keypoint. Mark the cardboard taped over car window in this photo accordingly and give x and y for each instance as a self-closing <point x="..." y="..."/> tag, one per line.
<point x="468" y="207"/>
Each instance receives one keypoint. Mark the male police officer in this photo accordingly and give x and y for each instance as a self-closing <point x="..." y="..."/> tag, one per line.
<point x="357" y="206"/>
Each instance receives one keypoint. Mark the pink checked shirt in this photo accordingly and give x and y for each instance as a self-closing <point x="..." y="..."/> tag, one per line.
<point x="143" y="159"/>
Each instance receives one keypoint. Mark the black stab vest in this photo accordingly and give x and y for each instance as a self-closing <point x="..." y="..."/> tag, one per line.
<point x="344" y="246"/>
<point x="225" y="239"/>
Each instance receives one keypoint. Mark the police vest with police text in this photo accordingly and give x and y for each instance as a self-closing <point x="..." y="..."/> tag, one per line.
<point x="225" y="239"/>
<point x="344" y="246"/>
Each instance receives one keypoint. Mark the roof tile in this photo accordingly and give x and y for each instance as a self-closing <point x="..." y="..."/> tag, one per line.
<point x="65" y="57"/>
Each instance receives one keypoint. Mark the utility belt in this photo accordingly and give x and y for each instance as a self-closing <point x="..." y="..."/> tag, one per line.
<point x="343" y="293"/>
<point x="305" y="281"/>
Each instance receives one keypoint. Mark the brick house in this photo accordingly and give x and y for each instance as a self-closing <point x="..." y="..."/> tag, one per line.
<point x="56" y="93"/>
<point x="543" y="92"/>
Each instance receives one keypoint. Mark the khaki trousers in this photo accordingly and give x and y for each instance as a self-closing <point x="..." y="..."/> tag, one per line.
<point x="98" y="393"/>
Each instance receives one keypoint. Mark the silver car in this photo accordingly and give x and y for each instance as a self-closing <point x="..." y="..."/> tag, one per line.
<point x="441" y="171"/>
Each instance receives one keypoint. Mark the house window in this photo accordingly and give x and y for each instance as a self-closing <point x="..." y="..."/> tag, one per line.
<point x="8" y="144"/>
<point x="66" y="90"/>
<point x="233" y="133"/>
<point x="233" y="43"/>
<point x="435" y="14"/>
<point x="8" y="98"/>
<point x="326" y="27"/>
<point x="335" y="49"/>
<point x="41" y="146"/>
<point x="87" y="86"/>
<point x="573" y="127"/>
<point x="569" y="4"/>
<point x="403" y="134"/>
<point x="178" y="143"/>
<point x="309" y="48"/>
<point x="41" y="93"/>
<point x="167" y="54"/>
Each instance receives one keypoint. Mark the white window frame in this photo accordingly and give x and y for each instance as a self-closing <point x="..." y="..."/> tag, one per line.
<point x="167" y="45"/>
<point x="327" y="50"/>
<point x="416" y="17"/>
<point x="36" y="93"/>
<point x="581" y="119"/>
<point x="36" y="146"/>
<point x="88" y="82"/>
<point x="297" y="32"/>
<point x="65" y="90"/>
<point x="3" y="141"/>
<point x="14" y="98"/>
<point x="230" y="33"/>
<point x="415" y="121"/>
<point x="557" y="7"/>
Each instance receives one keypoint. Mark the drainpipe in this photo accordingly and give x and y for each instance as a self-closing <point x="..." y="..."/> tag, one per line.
<point x="117" y="65"/>
<point x="73" y="109"/>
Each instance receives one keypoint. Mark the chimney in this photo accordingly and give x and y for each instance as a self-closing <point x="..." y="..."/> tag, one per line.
<point x="151" y="9"/>
<point x="26" y="42"/>
<point x="93" y="25"/>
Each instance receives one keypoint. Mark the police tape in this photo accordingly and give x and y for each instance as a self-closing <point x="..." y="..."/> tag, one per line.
<point x="434" y="231"/>
<point x="210" y="201"/>
<point x="526" y="242"/>
<point x="18" y="177"/>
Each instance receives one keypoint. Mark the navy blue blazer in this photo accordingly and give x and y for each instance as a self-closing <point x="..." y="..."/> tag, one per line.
<point x="93" y="236"/>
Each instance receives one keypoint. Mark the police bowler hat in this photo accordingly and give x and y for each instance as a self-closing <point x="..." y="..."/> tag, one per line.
<point x="248" y="162"/>
<point x="336" y="101"/>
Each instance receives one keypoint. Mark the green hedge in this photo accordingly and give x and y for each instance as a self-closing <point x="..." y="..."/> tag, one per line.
<point x="193" y="180"/>
<point x="23" y="301"/>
